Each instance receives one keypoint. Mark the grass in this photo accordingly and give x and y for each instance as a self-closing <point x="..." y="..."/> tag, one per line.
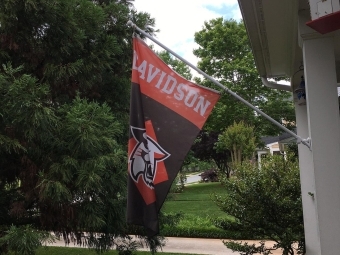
<point x="84" y="251"/>
<point x="197" y="208"/>
<point x="196" y="200"/>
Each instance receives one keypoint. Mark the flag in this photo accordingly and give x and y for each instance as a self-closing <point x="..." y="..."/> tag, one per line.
<point x="166" y="114"/>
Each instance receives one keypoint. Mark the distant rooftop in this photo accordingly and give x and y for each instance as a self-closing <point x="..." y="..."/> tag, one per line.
<point x="273" y="139"/>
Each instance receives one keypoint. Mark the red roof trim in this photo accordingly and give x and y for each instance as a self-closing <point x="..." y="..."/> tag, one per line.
<point x="326" y="24"/>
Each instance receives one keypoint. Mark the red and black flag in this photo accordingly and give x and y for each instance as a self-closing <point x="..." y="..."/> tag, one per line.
<point x="166" y="114"/>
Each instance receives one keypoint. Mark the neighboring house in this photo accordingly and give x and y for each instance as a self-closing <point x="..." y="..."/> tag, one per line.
<point x="295" y="38"/>
<point x="275" y="145"/>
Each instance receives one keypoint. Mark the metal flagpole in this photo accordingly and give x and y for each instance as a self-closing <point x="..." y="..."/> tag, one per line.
<point x="306" y="142"/>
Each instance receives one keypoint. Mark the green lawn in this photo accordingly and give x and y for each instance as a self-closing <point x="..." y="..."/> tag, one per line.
<point x="196" y="200"/>
<point x="196" y="205"/>
<point x="84" y="251"/>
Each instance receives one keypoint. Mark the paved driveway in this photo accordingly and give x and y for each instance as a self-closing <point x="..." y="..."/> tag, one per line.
<point x="202" y="246"/>
<point x="193" y="178"/>
<point x="190" y="245"/>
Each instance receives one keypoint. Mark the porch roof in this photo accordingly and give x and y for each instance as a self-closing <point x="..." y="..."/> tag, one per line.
<point x="272" y="27"/>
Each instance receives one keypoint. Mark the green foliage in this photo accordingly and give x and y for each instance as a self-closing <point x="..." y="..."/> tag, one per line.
<point x="246" y="249"/>
<point x="87" y="174"/>
<point x="27" y="123"/>
<point x="154" y="243"/>
<point x="127" y="246"/>
<point x="25" y="240"/>
<point x="239" y="139"/>
<point x="177" y="65"/>
<point x="204" y="149"/>
<point x="292" y="148"/>
<point x="196" y="227"/>
<point x="64" y="108"/>
<point x="25" y="105"/>
<point x="266" y="202"/>
<point x="178" y="184"/>
<point x="70" y="168"/>
<point x="73" y="45"/>
<point x="197" y="166"/>
<point x="226" y="55"/>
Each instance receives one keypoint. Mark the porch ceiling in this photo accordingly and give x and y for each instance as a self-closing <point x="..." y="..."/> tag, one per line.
<point x="272" y="26"/>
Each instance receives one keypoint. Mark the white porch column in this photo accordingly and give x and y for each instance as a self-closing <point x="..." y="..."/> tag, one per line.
<point x="307" y="184"/>
<point x="324" y="159"/>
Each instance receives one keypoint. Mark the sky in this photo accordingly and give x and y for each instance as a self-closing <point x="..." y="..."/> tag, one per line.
<point x="178" y="20"/>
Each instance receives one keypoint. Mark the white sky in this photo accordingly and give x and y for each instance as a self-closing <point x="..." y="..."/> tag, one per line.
<point x="178" y="20"/>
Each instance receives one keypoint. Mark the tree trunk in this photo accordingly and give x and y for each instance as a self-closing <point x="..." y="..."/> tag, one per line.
<point x="239" y="156"/>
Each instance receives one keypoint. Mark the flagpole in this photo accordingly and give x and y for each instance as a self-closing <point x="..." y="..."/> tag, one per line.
<point x="306" y="142"/>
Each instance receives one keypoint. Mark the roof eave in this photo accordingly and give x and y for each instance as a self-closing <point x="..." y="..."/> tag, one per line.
<point x="258" y="19"/>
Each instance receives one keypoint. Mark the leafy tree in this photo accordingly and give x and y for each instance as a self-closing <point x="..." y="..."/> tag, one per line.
<point x="293" y="149"/>
<point x="177" y="65"/>
<point x="225" y="54"/>
<point x="266" y="203"/>
<point x="204" y="149"/>
<point x="239" y="140"/>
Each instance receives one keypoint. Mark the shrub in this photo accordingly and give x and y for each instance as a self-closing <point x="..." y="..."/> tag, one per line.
<point x="177" y="185"/>
<point x="266" y="202"/>
<point x="25" y="240"/>
<point x="126" y="246"/>
<point x="209" y="175"/>
<point x="195" y="227"/>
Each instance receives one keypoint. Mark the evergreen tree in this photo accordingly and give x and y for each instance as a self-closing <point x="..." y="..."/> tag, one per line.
<point x="63" y="121"/>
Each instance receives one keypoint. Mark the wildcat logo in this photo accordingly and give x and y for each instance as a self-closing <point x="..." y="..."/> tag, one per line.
<point x="145" y="157"/>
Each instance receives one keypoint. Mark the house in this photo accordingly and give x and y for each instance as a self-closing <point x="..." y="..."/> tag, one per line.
<point x="301" y="39"/>
<point x="274" y="145"/>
